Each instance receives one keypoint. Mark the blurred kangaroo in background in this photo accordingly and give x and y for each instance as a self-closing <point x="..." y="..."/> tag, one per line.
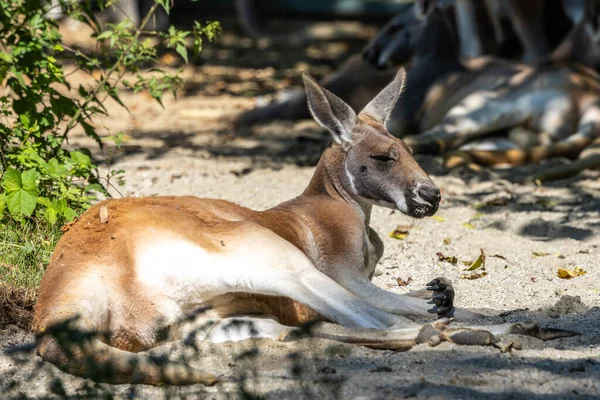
<point x="485" y="96"/>
<point x="460" y="101"/>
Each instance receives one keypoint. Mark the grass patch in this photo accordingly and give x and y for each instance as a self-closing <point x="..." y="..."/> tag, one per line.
<point x="25" y="251"/>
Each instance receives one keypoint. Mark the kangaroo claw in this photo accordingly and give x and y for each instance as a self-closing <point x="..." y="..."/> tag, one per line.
<point x="443" y="295"/>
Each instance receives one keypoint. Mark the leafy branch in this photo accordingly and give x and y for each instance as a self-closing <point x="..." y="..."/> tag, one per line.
<point x="39" y="176"/>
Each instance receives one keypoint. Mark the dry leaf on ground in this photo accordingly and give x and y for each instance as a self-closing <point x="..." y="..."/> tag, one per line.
<point x="536" y="254"/>
<point x="479" y="263"/>
<point x="401" y="232"/>
<point x="569" y="274"/>
<point x="450" y="259"/>
<point x="402" y="282"/>
<point x="473" y="275"/>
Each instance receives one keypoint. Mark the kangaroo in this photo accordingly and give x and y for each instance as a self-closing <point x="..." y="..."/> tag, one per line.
<point x="354" y="82"/>
<point x="399" y="43"/>
<point x="503" y="28"/>
<point x="444" y="95"/>
<point x="135" y="268"/>
<point x="561" y="102"/>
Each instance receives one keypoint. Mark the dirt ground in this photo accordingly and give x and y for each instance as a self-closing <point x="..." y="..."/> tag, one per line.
<point x="527" y="232"/>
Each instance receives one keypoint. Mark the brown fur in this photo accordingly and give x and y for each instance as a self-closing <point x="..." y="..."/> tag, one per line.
<point x="93" y="278"/>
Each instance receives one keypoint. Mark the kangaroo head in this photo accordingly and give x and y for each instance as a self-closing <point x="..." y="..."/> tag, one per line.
<point x="372" y="164"/>
<point x="395" y="43"/>
<point x="581" y="45"/>
<point x="421" y="31"/>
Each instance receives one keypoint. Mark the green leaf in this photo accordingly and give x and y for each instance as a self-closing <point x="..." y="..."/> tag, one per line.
<point x="70" y="214"/>
<point x="51" y="215"/>
<point x="24" y="120"/>
<point x="2" y="204"/>
<point x="6" y="57"/>
<point x="55" y="169"/>
<point x="60" y="205"/>
<point x="113" y="92"/>
<point x="166" y="4"/>
<point x="28" y="179"/>
<point x="104" y="35"/>
<point x="480" y="262"/>
<point x="182" y="51"/>
<point x="21" y="203"/>
<point x="28" y="248"/>
<point x="12" y="180"/>
<point x="19" y="76"/>
<point x="45" y="202"/>
<point x="81" y="159"/>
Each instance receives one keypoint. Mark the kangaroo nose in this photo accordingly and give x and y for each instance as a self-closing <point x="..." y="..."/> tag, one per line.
<point x="430" y="194"/>
<point x="370" y="55"/>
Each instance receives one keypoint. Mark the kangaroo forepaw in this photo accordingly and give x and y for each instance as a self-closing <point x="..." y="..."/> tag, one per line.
<point x="443" y="296"/>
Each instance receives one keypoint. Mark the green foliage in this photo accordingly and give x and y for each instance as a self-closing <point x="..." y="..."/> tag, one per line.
<point x="25" y="250"/>
<point x="39" y="176"/>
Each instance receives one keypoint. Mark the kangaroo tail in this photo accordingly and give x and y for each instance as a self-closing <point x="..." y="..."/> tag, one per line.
<point x="571" y="147"/>
<point x="589" y="159"/>
<point x="568" y="148"/>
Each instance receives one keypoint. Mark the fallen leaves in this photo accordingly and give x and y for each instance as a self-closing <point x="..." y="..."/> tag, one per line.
<point x="438" y="218"/>
<point x="401" y="232"/>
<point x="473" y="275"/>
<point x="472" y="272"/>
<point x="402" y="282"/>
<point x="449" y="259"/>
<point x="478" y="263"/>
<point x="537" y="254"/>
<point x="475" y="268"/>
<point x="569" y="274"/>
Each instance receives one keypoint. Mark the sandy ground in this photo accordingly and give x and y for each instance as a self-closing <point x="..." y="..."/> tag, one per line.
<point x="189" y="149"/>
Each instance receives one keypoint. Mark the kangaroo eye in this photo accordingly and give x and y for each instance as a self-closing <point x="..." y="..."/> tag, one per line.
<point x="382" y="157"/>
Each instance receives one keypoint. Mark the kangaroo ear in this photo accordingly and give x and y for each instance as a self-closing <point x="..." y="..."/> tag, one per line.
<point x="330" y="111"/>
<point x="382" y="105"/>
